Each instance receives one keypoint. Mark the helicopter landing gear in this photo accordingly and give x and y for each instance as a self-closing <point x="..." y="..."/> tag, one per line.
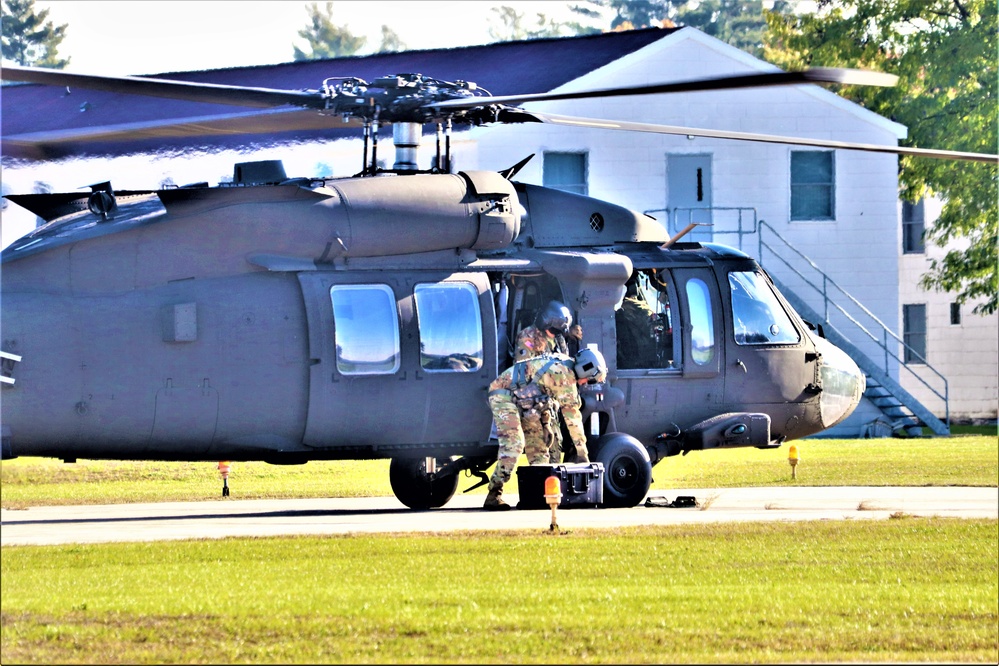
<point x="627" y="469"/>
<point x="422" y="483"/>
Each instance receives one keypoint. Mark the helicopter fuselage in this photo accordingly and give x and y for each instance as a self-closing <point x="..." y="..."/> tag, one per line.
<point x="365" y="318"/>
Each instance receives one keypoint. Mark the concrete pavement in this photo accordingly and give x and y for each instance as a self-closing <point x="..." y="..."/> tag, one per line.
<point x="232" y="517"/>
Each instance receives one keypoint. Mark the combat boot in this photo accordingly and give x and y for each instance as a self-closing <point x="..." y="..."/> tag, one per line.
<point x="494" y="501"/>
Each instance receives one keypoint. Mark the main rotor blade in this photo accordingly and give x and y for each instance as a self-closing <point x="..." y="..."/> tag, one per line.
<point x="816" y="75"/>
<point x="572" y="121"/>
<point x="183" y="90"/>
<point x="88" y="140"/>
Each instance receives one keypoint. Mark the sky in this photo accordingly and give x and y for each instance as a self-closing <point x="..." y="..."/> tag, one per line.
<point x="155" y="36"/>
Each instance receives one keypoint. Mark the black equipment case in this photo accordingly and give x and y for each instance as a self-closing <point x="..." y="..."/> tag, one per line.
<point x="582" y="485"/>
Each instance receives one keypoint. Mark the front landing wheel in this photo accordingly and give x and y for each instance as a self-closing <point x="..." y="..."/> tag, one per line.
<point x="627" y="469"/>
<point x="417" y="489"/>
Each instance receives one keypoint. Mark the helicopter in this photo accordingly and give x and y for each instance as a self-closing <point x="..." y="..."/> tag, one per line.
<point x="291" y="319"/>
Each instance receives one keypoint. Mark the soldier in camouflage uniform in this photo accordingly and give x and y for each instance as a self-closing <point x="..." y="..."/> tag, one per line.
<point x="554" y="379"/>
<point x="548" y="336"/>
<point x="635" y="323"/>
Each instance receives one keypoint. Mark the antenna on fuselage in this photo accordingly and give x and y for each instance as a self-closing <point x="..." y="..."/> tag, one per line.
<point x="683" y="232"/>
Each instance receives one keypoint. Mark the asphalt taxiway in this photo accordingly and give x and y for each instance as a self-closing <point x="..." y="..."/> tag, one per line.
<point x="233" y="517"/>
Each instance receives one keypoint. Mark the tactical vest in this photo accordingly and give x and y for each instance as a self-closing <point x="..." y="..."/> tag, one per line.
<point x="527" y="395"/>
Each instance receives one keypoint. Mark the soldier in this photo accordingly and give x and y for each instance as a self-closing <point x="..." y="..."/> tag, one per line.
<point x="530" y="386"/>
<point x="635" y="323"/>
<point x="548" y="335"/>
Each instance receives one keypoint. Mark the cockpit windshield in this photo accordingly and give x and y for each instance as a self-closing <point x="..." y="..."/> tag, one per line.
<point x="757" y="315"/>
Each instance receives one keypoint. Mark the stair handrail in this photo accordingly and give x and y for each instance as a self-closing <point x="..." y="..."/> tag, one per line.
<point x="827" y="301"/>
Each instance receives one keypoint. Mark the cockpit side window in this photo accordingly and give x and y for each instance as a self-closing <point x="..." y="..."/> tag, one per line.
<point x="366" y="329"/>
<point x="757" y="315"/>
<point x="450" y="327"/>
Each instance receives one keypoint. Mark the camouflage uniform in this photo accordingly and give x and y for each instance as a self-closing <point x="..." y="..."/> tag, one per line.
<point x="531" y="343"/>
<point x="558" y="382"/>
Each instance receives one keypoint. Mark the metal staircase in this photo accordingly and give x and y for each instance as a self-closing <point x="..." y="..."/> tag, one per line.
<point x="840" y="320"/>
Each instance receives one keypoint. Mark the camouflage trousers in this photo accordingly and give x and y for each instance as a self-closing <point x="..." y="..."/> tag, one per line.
<point x="516" y="436"/>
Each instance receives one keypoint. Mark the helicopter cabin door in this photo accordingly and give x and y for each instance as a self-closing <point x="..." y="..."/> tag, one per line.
<point x="398" y="360"/>
<point x="688" y="195"/>
<point x="668" y="356"/>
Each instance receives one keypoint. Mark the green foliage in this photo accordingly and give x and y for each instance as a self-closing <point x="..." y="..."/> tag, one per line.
<point x="391" y="43"/>
<point x="862" y="591"/>
<point x="510" y="25"/>
<point x="28" y="39"/>
<point x="326" y="39"/>
<point x="945" y="55"/>
<point x="739" y="23"/>
<point x="636" y="14"/>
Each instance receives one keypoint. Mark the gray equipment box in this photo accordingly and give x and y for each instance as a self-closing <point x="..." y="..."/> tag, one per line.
<point x="582" y="485"/>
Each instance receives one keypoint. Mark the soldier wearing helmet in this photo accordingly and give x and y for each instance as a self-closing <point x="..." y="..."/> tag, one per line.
<point x="548" y="335"/>
<point x="537" y="384"/>
<point x="552" y="326"/>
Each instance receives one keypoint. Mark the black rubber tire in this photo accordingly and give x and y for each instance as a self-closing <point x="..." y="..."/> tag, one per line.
<point x="415" y="488"/>
<point x="627" y="470"/>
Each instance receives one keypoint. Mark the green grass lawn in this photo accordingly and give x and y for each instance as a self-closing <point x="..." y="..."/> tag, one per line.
<point x="901" y="590"/>
<point x="941" y="461"/>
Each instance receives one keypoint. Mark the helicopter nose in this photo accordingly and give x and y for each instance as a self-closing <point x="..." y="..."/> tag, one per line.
<point x="843" y="384"/>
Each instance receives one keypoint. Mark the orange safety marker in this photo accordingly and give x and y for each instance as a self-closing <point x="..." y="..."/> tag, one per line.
<point x="792" y="459"/>
<point x="224" y="471"/>
<point x="553" y="495"/>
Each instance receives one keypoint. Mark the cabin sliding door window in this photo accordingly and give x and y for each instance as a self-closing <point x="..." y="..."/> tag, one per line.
<point x="702" y="328"/>
<point x="450" y="327"/>
<point x="644" y="323"/>
<point x="366" y="329"/>
<point x="813" y="185"/>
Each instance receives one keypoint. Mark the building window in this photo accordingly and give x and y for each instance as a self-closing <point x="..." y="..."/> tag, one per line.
<point x="366" y="329"/>
<point x="565" y="171"/>
<point x="913" y="225"/>
<point x="450" y="327"/>
<point x="914" y="333"/>
<point x="955" y="314"/>
<point x="813" y="185"/>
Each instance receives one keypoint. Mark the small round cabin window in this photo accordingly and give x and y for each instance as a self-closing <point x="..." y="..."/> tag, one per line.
<point x="597" y="222"/>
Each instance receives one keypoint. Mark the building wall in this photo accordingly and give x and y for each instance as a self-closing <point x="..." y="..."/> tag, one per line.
<point x="967" y="354"/>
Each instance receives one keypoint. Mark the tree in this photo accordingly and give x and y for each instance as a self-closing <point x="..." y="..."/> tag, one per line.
<point x="28" y="39"/>
<point x="514" y="26"/>
<point x="391" y="43"/>
<point x="739" y="23"/>
<point x="944" y="53"/>
<point x="637" y="14"/>
<point x="325" y="39"/>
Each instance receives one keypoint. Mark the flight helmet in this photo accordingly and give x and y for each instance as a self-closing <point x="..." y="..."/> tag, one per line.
<point x="555" y="317"/>
<point x="590" y="364"/>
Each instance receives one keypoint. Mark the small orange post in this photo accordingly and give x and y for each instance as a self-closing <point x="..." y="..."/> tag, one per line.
<point x="224" y="472"/>
<point x="792" y="459"/>
<point x="553" y="495"/>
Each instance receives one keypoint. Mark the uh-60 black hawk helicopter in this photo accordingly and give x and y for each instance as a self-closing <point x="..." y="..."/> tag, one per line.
<point x="290" y="320"/>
